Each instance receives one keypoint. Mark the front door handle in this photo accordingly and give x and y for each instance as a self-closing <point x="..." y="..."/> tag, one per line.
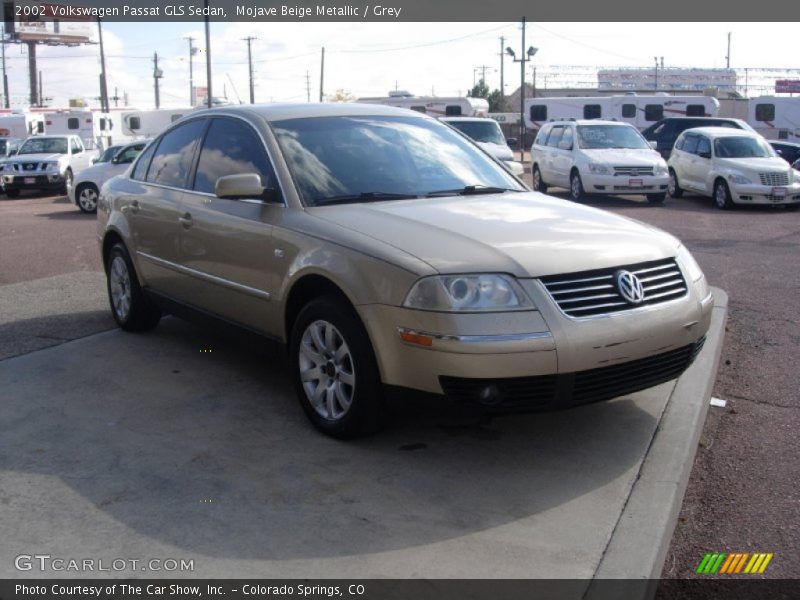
<point x="186" y="220"/>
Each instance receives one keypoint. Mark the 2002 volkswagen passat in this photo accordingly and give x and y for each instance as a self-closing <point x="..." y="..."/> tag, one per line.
<point x="386" y="249"/>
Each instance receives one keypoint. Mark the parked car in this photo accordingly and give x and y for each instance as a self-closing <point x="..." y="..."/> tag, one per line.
<point x="597" y="157"/>
<point x="487" y="134"/>
<point x="796" y="165"/>
<point x="86" y="187"/>
<point x="385" y="249"/>
<point x="786" y="150"/>
<point x="733" y="167"/>
<point x="666" y="131"/>
<point x="45" y="162"/>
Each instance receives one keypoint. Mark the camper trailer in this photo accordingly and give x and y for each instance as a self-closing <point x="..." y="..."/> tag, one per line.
<point x="94" y="128"/>
<point x="639" y="111"/>
<point x="21" y="124"/>
<point x="776" y="118"/>
<point x="142" y="124"/>
<point x="453" y="106"/>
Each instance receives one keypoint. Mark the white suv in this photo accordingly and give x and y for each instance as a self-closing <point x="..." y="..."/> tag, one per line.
<point x="732" y="166"/>
<point x="597" y="157"/>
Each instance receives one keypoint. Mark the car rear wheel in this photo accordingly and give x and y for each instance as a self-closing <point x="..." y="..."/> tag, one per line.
<point x="538" y="183"/>
<point x="673" y="188"/>
<point x="86" y="195"/>
<point x="335" y="373"/>
<point x="576" y="192"/>
<point x="722" y="195"/>
<point x="130" y="306"/>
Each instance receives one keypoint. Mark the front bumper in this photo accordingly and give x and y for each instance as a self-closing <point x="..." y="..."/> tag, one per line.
<point x="471" y="351"/>
<point x="38" y="181"/>
<point x="623" y="184"/>
<point x="765" y="194"/>
<point x="515" y="167"/>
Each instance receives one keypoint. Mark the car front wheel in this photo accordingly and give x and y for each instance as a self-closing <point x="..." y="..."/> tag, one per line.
<point x="86" y="195"/>
<point x="335" y="373"/>
<point x="722" y="195"/>
<point x="575" y="187"/>
<point x="68" y="178"/>
<point x="673" y="188"/>
<point x="538" y="183"/>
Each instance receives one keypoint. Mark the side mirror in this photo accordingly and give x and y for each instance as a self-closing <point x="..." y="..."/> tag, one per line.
<point x="780" y="152"/>
<point x="246" y="186"/>
<point x="653" y="144"/>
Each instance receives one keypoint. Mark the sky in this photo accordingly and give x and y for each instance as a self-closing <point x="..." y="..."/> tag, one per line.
<point x="370" y="59"/>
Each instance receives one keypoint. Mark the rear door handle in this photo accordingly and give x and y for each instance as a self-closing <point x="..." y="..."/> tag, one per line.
<point x="186" y="220"/>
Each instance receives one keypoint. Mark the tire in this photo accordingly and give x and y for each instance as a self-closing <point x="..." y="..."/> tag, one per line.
<point x="12" y="193"/>
<point x="86" y="196"/>
<point x="130" y="306"/>
<point x="334" y="369"/>
<point x="673" y="188"/>
<point x="538" y="183"/>
<point x="722" y="195"/>
<point x="657" y="198"/>
<point x="68" y="179"/>
<point x="576" y="192"/>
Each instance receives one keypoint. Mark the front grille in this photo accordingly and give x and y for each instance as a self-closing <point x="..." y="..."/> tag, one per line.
<point x="779" y="178"/>
<point x="634" y="188"/>
<point x="633" y="171"/>
<point x="547" y="392"/>
<point x="592" y="293"/>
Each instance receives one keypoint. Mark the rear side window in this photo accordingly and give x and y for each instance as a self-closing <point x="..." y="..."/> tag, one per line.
<point x="538" y="112"/>
<point x="230" y="148"/>
<point x="173" y="158"/>
<point x="591" y="111"/>
<point x="679" y="144"/>
<point x="765" y="112"/>
<point x="628" y="111"/>
<point x="653" y="112"/>
<point x="555" y="136"/>
<point x="140" y="170"/>
<point x="690" y="144"/>
<point x="695" y="110"/>
<point x="452" y="111"/>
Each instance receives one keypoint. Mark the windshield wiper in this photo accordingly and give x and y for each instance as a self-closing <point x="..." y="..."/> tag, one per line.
<point x="471" y="190"/>
<point x="362" y="197"/>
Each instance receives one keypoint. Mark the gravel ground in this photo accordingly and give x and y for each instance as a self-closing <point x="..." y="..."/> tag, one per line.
<point x="743" y="494"/>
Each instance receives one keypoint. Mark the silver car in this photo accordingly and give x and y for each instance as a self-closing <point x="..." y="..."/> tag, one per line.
<point x="384" y="249"/>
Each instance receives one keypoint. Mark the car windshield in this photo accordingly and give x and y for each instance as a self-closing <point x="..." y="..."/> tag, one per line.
<point x="44" y="146"/>
<point x="371" y="158"/>
<point x="108" y="154"/>
<point x="487" y="131"/>
<point x="594" y="137"/>
<point x="742" y="147"/>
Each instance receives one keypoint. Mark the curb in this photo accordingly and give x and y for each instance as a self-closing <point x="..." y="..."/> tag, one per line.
<point x="638" y="545"/>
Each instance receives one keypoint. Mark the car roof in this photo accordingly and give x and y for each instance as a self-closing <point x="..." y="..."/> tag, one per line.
<point x="280" y="112"/>
<point x="589" y="122"/>
<point x="468" y="119"/>
<point x="784" y="143"/>
<point x="716" y="132"/>
<point x="725" y="119"/>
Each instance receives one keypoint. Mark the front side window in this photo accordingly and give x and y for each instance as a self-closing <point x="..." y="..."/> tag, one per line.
<point x="230" y="148"/>
<point x="541" y="137"/>
<point x="369" y="158"/>
<point x="742" y="147"/>
<point x="690" y="144"/>
<point x="108" y="154"/>
<point x="610" y="136"/>
<point x="75" y="146"/>
<point x="703" y="146"/>
<point x="653" y="112"/>
<point x="555" y="136"/>
<point x="173" y="158"/>
<point x="140" y="170"/>
<point x="129" y="154"/>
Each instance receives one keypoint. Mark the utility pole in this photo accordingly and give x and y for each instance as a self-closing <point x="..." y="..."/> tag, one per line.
<point x="655" y="85"/>
<point x="103" y="83"/>
<point x="502" y="63"/>
<point x="157" y="74"/>
<point x="728" y="56"/>
<point x="208" y="56"/>
<point x="249" y="39"/>
<point x="482" y="69"/>
<point x="322" y="74"/>
<point x="308" y="87"/>
<point x="6" y="100"/>
<point x="32" y="70"/>
<point x="192" y="52"/>
<point x="115" y="98"/>
<point x="41" y="91"/>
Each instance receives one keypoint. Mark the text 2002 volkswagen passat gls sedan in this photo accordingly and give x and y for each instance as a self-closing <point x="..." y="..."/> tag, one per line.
<point x="386" y="249"/>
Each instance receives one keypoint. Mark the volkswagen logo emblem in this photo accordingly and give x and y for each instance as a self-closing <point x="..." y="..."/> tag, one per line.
<point x="629" y="286"/>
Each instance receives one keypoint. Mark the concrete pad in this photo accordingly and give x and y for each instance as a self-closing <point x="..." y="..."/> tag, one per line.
<point x="186" y="445"/>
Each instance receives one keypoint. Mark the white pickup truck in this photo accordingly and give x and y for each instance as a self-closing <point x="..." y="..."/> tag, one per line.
<point x="45" y="162"/>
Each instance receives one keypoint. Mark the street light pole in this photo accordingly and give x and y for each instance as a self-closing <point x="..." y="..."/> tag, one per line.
<point x="209" y="102"/>
<point x="526" y="56"/>
<point x="192" y="50"/>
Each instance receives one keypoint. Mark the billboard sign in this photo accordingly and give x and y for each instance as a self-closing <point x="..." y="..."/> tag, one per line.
<point x="787" y="86"/>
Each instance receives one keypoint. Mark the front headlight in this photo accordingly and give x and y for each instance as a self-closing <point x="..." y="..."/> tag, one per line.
<point x="467" y="293"/>
<point x="689" y="264"/>
<point x="740" y="179"/>
<point x="661" y="169"/>
<point x="598" y="168"/>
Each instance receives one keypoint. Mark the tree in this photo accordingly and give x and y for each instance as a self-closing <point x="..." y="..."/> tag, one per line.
<point x="481" y="90"/>
<point x="495" y="98"/>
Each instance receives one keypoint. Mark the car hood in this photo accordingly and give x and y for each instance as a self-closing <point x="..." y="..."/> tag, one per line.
<point x="526" y="234"/>
<point x="627" y="157"/>
<point x="766" y="164"/>
<point x="500" y="152"/>
<point x="36" y="158"/>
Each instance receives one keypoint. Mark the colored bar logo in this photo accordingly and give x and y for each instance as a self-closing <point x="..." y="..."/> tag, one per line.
<point x="736" y="562"/>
